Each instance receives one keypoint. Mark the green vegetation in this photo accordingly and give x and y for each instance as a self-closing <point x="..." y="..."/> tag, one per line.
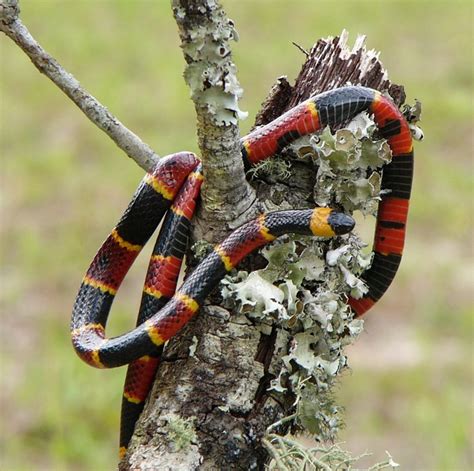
<point x="65" y="185"/>
<point x="180" y="432"/>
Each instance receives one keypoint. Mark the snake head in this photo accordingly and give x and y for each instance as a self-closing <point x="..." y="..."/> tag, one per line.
<point x="340" y="223"/>
<point x="327" y="222"/>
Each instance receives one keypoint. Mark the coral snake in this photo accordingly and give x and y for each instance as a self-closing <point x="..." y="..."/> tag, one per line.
<point x="172" y="191"/>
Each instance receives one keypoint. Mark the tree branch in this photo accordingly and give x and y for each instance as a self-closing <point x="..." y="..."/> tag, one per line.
<point x="206" y="33"/>
<point x="130" y="143"/>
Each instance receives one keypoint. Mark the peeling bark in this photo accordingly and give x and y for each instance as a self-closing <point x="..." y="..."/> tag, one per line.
<point x="217" y="371"/>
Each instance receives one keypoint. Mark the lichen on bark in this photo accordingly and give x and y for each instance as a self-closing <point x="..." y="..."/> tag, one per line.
<point x="304" y="286"/>
<point x="206" y="35"/>
<point x="210" y="73"/>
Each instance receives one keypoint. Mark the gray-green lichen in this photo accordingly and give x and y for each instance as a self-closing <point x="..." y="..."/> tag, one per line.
<point x="302" y="290"/>
<point x="180" y="432"/>
<point x="347" y="167"/>
<point x="304" y="286"/>
<point x="211" y="73"/>
<point x="293" y="455"/>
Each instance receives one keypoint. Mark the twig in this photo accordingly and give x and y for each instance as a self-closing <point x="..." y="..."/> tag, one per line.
<point x="280" y="422"/>
<point x="301" y="48"/>
<point x="130" y="143"/>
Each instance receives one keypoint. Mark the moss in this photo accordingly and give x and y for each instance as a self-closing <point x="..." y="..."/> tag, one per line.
<point x="181" y="432"/>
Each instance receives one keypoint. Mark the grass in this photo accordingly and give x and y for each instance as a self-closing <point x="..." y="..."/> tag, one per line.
<point x="64" y="186"/>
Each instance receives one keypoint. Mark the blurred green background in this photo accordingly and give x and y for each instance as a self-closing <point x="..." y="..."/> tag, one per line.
<point x="64" y="185"/>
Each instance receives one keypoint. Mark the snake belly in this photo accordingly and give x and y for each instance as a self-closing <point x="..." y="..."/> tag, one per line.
<point x="173" y="189"/>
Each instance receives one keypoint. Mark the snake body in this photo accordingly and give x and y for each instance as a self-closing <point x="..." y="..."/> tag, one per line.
<point x="172" y="190"/>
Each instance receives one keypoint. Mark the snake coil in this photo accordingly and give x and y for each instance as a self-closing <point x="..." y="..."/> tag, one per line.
<point x="172" y="190"/>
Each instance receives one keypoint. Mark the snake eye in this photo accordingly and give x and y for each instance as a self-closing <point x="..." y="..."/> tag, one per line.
<point x="340" y="223"/>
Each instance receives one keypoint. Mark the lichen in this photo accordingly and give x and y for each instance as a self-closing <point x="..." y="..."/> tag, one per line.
<point x="293" y="455"/>
<point x="271" y="169"/>
<point x="347" y="166"/>
<point x="302" y="289"/>
<point x="304" y="286"/>
<point x="180" y="432"/>
<point x="211" y="73"/>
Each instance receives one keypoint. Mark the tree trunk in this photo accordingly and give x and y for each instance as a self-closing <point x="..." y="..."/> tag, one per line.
<point x="210" y="405"/>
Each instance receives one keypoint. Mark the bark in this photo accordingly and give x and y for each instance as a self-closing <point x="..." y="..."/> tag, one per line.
<point x="210" y="406"/>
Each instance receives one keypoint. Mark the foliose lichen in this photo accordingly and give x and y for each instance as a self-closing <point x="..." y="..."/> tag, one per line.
<point x="211" y="73"/>
<point x="304" y="286"/>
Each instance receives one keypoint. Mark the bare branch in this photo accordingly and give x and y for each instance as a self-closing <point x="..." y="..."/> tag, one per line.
<point x="206" y="33"/>
<point x="125" y="139"/>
